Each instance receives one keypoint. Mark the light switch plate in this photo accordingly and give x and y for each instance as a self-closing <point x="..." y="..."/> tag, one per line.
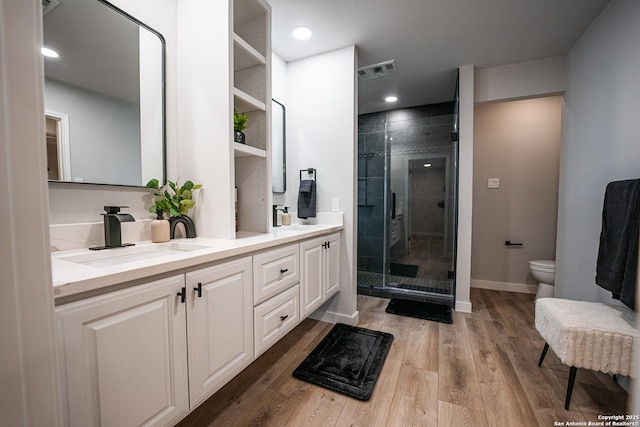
<point x="493" y="183"/>
<point x="335" y="204"/>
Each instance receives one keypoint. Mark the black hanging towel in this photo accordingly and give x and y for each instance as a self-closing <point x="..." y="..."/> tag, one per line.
<point x="617" y="264"/>
<point x="307" y="194"/>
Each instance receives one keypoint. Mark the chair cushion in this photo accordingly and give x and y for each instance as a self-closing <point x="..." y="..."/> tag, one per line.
<point x="589" y="335"/>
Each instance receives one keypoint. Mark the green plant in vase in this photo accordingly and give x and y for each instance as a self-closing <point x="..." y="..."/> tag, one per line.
<point x="239" y="124"/>
<point x="176" y="203"/>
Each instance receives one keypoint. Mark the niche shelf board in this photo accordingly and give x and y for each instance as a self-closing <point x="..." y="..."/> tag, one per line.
<point x="243" y="150"/>
<point x="246" y="103"/>
<point x="245" y="55"/>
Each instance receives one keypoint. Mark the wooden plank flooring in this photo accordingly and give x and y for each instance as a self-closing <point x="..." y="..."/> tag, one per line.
<point x="480" y="371"/>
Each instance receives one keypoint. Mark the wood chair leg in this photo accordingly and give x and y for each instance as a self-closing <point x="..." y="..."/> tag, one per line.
<point x="572" y="379"/>
<point x="544" y="353"/>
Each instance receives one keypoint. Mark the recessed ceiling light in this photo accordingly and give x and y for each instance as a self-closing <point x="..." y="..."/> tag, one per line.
<point x="49" y="53"/>
<point x="427" y="165"/>
<point x="391" y="99"/>
<point x="302" y="33"/>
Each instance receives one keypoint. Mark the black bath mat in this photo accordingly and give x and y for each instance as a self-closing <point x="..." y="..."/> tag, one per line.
<point x="348" y="360"/>
<point x="406" y="270"/>
<point x="421" y="310"/>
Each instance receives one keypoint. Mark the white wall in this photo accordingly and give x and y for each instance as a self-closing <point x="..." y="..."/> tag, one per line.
<point x="321" y="134"/>
<point x="542" y="77"/>
<point x="30" y="387"/>
<point x="465" y="190"/>
<point x="599" y="143"/>
<point x="70" y="203"/>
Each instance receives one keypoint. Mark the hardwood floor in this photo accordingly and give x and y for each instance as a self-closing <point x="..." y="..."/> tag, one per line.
<point x="479" y="371"/>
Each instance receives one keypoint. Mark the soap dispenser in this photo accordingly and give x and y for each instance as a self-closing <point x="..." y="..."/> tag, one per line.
<point x="159" y="228"/>
<point x="286" y="216"/>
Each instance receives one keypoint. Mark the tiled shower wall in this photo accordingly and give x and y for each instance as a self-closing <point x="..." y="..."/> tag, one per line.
<point x="413" y="131"/>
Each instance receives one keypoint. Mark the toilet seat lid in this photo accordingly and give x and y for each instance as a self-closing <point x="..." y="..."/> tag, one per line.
<point x="548" y="265"/>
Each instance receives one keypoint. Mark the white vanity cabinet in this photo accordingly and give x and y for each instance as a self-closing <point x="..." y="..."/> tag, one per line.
<point x="320" y="271"/>
<point x="150" y="353"/>
<point x="123" y="356"/>
<point x="219" y="325"/>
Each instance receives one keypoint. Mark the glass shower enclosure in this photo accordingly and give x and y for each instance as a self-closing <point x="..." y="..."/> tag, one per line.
<point x="407" y="203"/>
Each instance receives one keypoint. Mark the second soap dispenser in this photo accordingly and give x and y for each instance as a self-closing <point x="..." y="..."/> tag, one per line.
<point x="159" y="228"/>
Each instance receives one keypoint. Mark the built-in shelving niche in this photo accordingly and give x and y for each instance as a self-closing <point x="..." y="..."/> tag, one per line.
<point x="252" y="95"/>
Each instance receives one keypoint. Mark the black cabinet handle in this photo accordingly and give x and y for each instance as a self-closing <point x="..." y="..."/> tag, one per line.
<point x="183" y="294"/>
<point x="283" y="270"/>
<point x="325" y="245"/>
<point x="198" y="289"/>
<point x="510" y="243"/>
<point x="283" y="318"/>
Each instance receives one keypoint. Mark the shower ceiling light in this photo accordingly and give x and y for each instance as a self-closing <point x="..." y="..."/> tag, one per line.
<point x="49" y="53"/>
<point x="391" y="99"/>
<point x="427" y="165"/>
<point x="302" y="33"/>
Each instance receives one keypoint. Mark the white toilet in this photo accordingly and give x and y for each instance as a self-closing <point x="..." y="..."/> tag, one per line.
<point x="544" y="271"/>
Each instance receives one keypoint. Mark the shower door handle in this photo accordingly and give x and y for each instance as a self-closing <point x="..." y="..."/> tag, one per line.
<point x="393" y="205"/>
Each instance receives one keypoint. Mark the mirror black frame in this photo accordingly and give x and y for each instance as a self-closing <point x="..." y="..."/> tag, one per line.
<point x="164" y="99"/>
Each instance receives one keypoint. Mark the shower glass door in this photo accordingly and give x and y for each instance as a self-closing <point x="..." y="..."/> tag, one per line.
<point x="407" y="203"/>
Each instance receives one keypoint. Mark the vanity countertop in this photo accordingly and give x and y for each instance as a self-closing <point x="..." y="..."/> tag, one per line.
<point x="83" y="271"/>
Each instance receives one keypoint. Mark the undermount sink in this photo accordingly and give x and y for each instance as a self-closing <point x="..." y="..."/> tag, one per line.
<point x="117" y="256"/>
<point x="304" y="226"/>
<point x="295" y="228"/>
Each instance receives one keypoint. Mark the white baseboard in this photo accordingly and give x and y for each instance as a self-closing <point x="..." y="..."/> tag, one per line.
<point x="331" y="317"/>
<point x="463" y="306"/>
<point x="504" y="286"/>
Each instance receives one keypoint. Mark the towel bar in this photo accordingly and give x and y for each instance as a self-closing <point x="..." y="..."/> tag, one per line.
<point x="310" y="171"/>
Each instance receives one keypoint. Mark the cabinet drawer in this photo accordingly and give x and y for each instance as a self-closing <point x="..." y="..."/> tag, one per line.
<point x="274" y="271"/>
<point x="274" y="318"/>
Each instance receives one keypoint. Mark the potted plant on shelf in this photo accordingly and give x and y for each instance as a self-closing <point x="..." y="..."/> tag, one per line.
<point x="176" y="203"/>
<point x="239" y="124"/>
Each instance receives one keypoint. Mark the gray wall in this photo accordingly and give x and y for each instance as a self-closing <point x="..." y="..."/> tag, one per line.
<point x="600" y="141"/>
<point x="104" y="134"/>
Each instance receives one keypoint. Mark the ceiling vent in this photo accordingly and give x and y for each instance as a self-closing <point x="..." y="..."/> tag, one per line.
<point x="48" y="5"/>
<point x="375" y="71"/>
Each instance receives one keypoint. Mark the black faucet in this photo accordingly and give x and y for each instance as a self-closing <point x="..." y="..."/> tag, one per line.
<point x="189" y="226"/>
<point x="284" y="209"/>
<point x="112" y="229"/>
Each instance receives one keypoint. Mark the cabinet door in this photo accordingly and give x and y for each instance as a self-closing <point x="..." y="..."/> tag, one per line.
<point x="220" y="325"/>
<point x="123" y="356"/>
<point x="312" y="276"/>
<point x="332" y="265"/>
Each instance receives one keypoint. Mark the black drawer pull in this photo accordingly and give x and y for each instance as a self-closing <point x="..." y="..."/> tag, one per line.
<point x="283" y="318"/>
<point x="283" y="270"/>
<point x="198" y="289"/>
<point x="183" y="294"/>
<point x="510" y="243"/>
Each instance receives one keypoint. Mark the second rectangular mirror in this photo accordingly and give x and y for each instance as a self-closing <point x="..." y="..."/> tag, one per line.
<point x="278" y="148"/>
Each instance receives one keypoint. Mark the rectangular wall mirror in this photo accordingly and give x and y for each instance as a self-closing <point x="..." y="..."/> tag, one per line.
<point x="278" y="148"/>
<point x="104" y="95"/>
